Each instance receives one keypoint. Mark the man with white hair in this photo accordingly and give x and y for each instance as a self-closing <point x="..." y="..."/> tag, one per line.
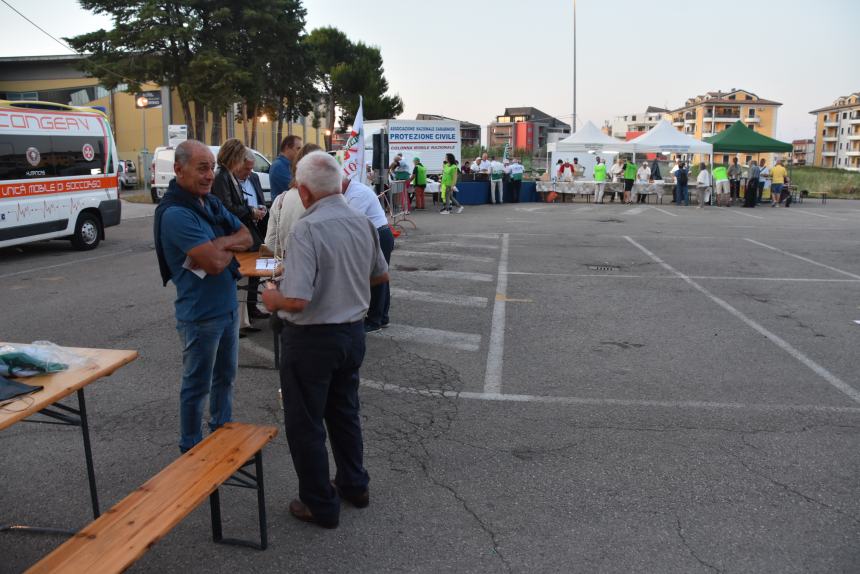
<point x="332" y="260"/>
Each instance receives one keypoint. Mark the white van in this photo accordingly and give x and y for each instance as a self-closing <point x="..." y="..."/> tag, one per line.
<point x="161" y="172"/>
<point x="58" y="174"/>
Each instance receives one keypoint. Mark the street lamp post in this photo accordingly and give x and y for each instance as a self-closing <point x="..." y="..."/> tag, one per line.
<point x="142" y="102"/>
<point x="573" y="122"/>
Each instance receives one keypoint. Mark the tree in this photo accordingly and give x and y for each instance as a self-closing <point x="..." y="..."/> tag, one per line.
<point x="152" y="41"/>
<point x="364" y="75"/>
<point x="329" y="48"/>
<point x="347" y="70"/>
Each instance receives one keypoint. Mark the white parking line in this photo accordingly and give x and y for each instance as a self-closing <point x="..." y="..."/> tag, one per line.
<point x="738" y="211"/>
<point x="75" y="262"/>
<point x="804" y="212"/>
<point x="633" y="211"/>
<point x="424" y="335"/>
<point x="835" y="381"/>
<point x="451" y="256"/>
<point x="445" y="274"/>
<point x="463" y="244"/>
<point x="778" y="250"/>
<point x="441" y="298"/>
<point x="675" y="277"/>
<point x="583" y="401"/>
<point x="664" y="211"/>
<point x="496" y="350"/>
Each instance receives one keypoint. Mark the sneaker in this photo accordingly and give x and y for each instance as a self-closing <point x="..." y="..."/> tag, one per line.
<point x="460" y="209"/>
<point x="371" y="328"/>
<point x="444" y="212"/>
<point x="386" y="325"/>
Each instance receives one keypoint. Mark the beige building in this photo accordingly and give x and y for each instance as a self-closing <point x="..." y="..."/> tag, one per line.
<point x="706" y="115"/>
<point x="837" y="134"/>
<point x="58" y="79"/>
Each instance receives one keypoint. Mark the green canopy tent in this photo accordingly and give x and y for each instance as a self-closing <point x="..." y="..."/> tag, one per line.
<point x="741" y="139"/>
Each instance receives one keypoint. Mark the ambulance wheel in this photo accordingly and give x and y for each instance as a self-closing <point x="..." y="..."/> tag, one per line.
<point x="88" y="232"/>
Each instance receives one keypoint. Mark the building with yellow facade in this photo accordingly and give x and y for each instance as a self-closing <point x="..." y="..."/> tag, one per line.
<point x="706" y="115"/>
<point x="837" y="134"/>
<point x="59" y="79"/>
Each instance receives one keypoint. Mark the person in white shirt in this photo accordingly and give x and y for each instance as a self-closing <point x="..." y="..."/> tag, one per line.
<point x="673" y="171"/>
<point x="363" y="199"/>
<point x="516" y="170"/>
<point x="286" y="209"/>
<point x="643" y="176"/>
<point x="703" y="185"/>
<point x="497" y="172"/>
<point x="616" y="171"/>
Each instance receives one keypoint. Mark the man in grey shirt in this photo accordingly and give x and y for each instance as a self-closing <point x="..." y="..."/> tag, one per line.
<point x="333" y="258"/>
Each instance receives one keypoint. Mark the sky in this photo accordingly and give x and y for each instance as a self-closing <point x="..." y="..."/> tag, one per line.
<point x="470" y="59"/>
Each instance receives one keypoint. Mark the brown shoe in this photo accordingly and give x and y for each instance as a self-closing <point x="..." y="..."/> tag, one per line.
<point x="360" y="501"/>
<point x="303" y="513"/>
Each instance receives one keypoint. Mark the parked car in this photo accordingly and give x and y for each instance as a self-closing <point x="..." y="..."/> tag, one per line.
<point x="127" y="173"/>
<point x="161" y="171"/>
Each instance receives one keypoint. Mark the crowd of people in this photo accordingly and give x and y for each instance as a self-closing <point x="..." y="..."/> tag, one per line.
<point x="333" y="240"/>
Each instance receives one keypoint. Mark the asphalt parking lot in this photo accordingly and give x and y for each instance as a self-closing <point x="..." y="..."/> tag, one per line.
<point x="564" y="388"/>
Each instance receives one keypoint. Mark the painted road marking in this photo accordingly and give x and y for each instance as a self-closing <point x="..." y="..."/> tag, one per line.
<point x="664" y="211"/>
<point x="496" y="350"/>
<point x="442" y="298"/>
<point x="445" y="274"/>
<point x="76" y="261"/>
<point x="675" y="277"/>
<point x="425" y="335"/>
<point x="834" y="381"/>
<point x="778" y="250"/>
<point x="450" y="256"/>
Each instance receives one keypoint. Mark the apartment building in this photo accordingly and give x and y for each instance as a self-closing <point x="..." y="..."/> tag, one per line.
<point x="706" y="115"/>
<point x="623" y="127"/>
<point x="803" y="153"/>
<point x="837" y="134"/>
<point x="526" y="128"/>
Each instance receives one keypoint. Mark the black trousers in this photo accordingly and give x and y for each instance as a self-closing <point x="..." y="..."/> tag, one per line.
<point x="751" y="193"/>
<point x="380" y="296"/>
<point x="735" y="188"/>
<point x="516" y="184"/>
<point x="319" y="382"/>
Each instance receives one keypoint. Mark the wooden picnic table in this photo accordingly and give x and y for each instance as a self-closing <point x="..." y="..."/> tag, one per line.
<point x="45" y="403"/>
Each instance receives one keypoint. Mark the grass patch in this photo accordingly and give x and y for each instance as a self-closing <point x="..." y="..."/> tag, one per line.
<point x="137" y="197"/>
<point x="836" y="183"/>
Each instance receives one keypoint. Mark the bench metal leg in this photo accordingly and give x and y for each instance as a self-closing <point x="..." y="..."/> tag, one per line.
<point x="242" y="479"/>
<point x="67" y="416"/>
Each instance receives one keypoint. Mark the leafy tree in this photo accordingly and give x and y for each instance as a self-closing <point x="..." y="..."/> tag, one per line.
<point x="365" y="76"/>
<point x="151" y="41"/>
<point x="329" y="48"/>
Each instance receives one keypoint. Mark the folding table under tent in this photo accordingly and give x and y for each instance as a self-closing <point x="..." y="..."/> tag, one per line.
<point x="738" y="138"/>
<point x="589" y="142"/>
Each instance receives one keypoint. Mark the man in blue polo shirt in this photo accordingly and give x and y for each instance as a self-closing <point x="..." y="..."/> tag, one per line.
<point x="195" y="238"/>
<point x="281" y="172"/>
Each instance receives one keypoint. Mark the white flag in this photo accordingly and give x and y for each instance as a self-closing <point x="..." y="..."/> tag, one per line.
<point x="353" y="150"/>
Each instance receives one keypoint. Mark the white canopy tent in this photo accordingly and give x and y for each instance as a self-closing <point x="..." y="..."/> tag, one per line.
<point x="666" y="139"/>
<point x="586" y="145"/>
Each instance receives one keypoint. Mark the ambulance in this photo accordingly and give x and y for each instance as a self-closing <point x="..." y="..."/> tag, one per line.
<point x="58" y="174"/>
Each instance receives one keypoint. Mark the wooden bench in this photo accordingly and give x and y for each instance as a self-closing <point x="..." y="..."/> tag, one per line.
<point x="118" y="538"/>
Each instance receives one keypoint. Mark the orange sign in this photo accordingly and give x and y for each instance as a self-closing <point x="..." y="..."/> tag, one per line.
<point x="52" y="186"/>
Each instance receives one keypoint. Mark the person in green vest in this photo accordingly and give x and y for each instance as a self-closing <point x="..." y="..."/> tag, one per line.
<point x="600" y="180"/>
<point x="516" y="170"/>
<point x="721" y="186"/>
<point x="630" y="169"/>
<point x="448" y="185"/>
<point x="419" y="180"/>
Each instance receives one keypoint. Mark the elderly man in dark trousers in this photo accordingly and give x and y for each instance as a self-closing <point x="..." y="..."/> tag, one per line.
<point x="333" y="259"/>
<point x="195" y="237"/>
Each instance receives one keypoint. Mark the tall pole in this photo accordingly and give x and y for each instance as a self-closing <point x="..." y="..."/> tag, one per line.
<point x="573" y="127"/>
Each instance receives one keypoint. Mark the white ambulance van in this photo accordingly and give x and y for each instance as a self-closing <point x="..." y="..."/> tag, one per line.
<point x="58" y="174"/>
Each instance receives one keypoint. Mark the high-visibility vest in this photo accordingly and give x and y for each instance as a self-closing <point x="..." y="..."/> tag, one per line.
<point x="600" y="172"/>
<point x="420" y="175"/>
<point x="630" y="170"/>
<point x="720" y="173"/>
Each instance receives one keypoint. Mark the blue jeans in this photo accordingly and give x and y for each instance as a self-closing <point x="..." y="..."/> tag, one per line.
<point x="380" y="296"/>
<point x="319" y="382"/>
<point x="683" y="194"/>
<point x="210" y="358"/>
